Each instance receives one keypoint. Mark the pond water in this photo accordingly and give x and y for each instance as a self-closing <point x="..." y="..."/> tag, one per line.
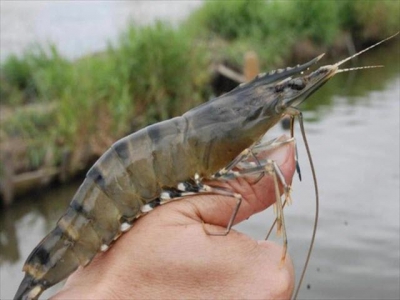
<point x="353" y="128"/>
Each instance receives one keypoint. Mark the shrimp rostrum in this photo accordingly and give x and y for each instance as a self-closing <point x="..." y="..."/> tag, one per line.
<point x="170" y="160"/>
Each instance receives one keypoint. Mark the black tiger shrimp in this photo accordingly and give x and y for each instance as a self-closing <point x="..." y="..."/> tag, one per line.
<point x="172" y="159"/>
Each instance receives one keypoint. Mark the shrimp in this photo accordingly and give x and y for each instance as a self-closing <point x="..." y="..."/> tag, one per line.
<point x="170" y="160"/>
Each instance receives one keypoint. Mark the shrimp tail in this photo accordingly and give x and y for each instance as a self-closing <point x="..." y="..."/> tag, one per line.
<point x="29" y="289"/>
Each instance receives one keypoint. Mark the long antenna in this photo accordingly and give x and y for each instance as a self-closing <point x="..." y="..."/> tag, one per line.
<point x="303" y="133"/>
<point x="300" y="115"/>
<point x="365" y="50"/>
<point x="358" y="68"/>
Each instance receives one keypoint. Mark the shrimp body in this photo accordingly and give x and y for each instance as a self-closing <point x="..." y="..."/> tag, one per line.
<point x="133" y="173"/>
<point x="130" y="177"/>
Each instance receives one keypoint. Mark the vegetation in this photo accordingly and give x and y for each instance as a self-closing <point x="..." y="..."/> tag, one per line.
<point x="152" y="74"/>
<point x="157" y="72"/>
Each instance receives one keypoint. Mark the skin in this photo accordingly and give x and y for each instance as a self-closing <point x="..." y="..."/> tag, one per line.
<point x="168" y="255"/>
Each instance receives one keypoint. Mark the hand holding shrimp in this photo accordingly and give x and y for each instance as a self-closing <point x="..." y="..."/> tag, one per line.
<point x="174" y="258"/>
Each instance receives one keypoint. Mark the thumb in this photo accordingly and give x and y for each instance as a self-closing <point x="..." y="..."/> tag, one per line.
<point x="218" y="209"/>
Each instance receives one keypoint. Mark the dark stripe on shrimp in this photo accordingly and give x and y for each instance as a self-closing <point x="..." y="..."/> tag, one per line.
<point x="121" y="147"/>
<point x="41" y="254"/>
<point x="154" y="132"/>
<point x="98" y="178"/>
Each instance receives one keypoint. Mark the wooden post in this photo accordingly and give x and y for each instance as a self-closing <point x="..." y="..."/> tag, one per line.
<point x="7" y="188"/>
<point x="251" y="65"/>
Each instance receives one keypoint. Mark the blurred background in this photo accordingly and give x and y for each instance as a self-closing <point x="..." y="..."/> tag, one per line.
<point x="78" y="75"/>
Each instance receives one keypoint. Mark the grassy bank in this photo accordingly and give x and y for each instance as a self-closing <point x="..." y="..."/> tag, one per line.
<point x="157" y="72"/>
<point x="151" y="74"/>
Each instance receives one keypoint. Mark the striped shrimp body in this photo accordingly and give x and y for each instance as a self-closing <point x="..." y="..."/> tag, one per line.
<point x="170" y="160"/>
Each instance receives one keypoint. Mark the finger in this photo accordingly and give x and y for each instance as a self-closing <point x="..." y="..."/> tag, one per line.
<point x="217" y="210"/>
<point x="280" y="276"/>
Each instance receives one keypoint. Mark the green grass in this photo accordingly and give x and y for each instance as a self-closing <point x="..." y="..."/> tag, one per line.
<point x="153" y="73"/>
<point x="271" y="28"/>
<point x="163" y="69"/>
<point x="40" y="74"/>
<point x="266" y="19"/>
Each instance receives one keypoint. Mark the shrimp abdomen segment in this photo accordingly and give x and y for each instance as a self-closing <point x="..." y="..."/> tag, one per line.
<point x="92" y="220"/>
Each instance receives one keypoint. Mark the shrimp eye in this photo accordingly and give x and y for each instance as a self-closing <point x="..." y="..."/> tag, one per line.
<point x="297" y="84"/>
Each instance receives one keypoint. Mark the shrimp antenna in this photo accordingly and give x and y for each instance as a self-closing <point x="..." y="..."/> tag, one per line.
<point x="303" y="133"/>
<point x="358" y="68"/>
<point x="365" y="50"/>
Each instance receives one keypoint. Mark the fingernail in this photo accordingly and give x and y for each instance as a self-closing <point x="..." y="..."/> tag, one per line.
<point x="281" y="155"/>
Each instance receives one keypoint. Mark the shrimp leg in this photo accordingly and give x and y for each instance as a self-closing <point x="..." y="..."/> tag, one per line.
<point x="186" y="189"/>
<point x="269" y="167"/>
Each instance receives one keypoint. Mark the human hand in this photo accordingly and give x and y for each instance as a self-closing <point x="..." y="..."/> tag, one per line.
<point x="168" y="255"/>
